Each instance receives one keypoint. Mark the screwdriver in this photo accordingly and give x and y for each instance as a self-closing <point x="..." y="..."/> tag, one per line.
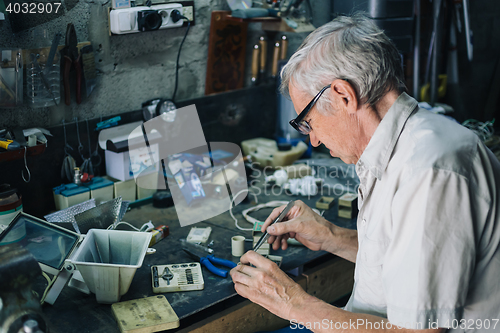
<point x="280" y="217"/>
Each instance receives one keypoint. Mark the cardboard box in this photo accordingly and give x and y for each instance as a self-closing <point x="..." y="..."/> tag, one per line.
<point x="123" y="188"/>
<point x="121" y="161"/>
<point x="123" y="165"/>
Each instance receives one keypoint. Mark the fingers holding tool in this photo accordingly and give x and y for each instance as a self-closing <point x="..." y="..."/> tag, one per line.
<point x="300" y="223"/>
<point x="283" y="213"/>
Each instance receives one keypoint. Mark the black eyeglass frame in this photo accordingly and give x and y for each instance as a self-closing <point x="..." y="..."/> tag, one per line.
<point x="299" y="124"/>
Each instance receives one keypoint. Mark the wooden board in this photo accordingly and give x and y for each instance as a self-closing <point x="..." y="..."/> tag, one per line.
<point x="145" y="315"/>
<point x="226" y="54"/>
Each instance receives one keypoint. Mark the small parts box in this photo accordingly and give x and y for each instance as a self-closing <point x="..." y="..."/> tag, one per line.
<point x="348" y="205"/>
<point x="325" y="203"/>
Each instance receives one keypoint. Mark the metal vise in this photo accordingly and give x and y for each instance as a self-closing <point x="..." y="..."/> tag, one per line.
<point x="20" y="310"/>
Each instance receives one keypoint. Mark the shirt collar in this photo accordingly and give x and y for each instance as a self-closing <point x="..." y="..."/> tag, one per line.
<point x="377" y="153"/>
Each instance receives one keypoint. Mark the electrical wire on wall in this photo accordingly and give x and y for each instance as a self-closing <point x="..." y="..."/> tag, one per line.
<point x="176" y="16"/>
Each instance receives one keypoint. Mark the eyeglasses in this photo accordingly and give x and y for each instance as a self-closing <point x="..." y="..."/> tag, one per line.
<point x="301" y="125"/>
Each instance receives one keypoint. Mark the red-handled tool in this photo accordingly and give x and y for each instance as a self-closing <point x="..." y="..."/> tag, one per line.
<point x="71" y="58"/>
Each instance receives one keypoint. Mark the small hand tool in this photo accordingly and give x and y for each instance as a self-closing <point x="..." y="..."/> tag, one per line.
<point x="71" y="58"/>
<point x="52" y="53"/>
<point x="280" y="217"/>
<point x="276" y="53"/>
<point x="209" y="260"/>
<point x="283" y="47"/>
<point x="263" y="56"/>
<point x="255" y="63"/>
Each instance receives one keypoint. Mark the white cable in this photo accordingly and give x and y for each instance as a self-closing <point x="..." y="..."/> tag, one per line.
<point x="113" y="226"/>
<point x="231" y="208"/>
<point x="270" y="204"/>
<point x="49" y="285"/>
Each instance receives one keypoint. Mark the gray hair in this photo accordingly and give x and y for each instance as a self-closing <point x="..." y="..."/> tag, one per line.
<point x="349" y="48"/>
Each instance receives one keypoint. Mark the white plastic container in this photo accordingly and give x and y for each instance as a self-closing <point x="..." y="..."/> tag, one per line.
<point x="108" y="260"/>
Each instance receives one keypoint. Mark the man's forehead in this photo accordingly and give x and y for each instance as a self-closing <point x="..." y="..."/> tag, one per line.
<point x="296" y="93"/>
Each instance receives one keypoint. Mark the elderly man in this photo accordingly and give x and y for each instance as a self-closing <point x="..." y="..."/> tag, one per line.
<point x="427" y="245"/>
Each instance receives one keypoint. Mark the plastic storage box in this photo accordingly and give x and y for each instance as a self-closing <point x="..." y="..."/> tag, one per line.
<point x="100" y="189"/>
<point x="108" y="260"/>
<point x="67" y="195"/>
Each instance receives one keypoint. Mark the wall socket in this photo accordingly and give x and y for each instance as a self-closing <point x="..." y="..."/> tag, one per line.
<point x="188" y="12"/>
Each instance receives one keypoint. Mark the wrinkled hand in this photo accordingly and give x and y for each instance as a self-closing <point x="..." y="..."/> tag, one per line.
<point x="267" y="285"/>
<point x="301" y="223"/>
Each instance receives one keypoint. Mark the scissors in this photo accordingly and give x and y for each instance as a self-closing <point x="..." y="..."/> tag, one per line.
<point x="209" y="260"/>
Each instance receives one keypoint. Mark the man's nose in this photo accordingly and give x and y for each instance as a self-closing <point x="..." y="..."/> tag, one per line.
<point x="314" y="140"/>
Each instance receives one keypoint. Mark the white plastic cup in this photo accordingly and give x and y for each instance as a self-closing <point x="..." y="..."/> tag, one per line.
<point x="237" y="246"/>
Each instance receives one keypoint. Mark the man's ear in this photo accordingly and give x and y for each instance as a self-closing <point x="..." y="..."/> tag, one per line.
<point x="344" y="95"/>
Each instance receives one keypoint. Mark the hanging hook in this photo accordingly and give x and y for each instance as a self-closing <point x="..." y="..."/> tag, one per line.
<point x="66" y="146"/>
<point x="88" y="137"/>
<point x="80" y="146"/>
<point x="26" y="166"/>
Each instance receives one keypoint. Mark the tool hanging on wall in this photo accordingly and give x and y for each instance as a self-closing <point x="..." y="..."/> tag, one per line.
<point x="276" y="54"/>
<point x="263" y="55"/>
<point x="255" y="63"/>
<point x="71" y="58"/>
<point x="279" y="53"/>
<point x="259" y="58"/>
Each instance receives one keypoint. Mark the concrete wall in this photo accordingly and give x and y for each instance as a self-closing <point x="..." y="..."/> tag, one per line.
<point x="131" y="68"/>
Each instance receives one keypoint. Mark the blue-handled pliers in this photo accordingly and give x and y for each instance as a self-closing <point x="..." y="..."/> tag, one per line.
<point x="209" y="260"/>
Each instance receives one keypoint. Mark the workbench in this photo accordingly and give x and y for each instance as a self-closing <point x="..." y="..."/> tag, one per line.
<point x="217" y="308"/>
